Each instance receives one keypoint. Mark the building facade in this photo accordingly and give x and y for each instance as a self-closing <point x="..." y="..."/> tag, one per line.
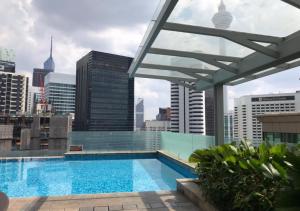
<point x="104" y="93"/>
<point x="139" y="114"/>
<point x="209" y="112"/>
<point x="7" y="66"/>
<point x="60" y="91"/>
<point x="280" y="128"/>
<point x="228" y="127"/>
<point x="13" y="93"/>
<point x="247" y="108"/>
<point x="30" y="99"/>
<point x="38" y="76"/>
<point x="187" y="110"/>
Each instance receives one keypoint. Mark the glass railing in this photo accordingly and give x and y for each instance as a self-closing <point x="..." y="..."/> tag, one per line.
<point x="31" y="153"/>
<point x="100" y="141"/>
<point x="182" y="145"/>
<point x="179" y="145"/>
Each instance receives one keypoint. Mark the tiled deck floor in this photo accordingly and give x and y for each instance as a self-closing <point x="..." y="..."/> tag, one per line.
<point x="152" y="201"/>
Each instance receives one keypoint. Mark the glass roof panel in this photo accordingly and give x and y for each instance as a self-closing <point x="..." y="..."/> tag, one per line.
<point x="199" y="43"/>
<point x="177" y="61"/>
<point x="269" y="17"/>
<point x="164" y="73"/>
<point x="170" y="50"/>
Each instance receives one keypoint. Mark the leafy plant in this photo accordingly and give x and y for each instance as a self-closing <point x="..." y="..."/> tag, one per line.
<point x="243" y="177"/>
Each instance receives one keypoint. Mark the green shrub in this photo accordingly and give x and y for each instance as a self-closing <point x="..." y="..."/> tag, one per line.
<point x="244" y="177"/>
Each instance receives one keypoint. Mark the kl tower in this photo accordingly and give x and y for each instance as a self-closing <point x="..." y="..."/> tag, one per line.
<point x="222" y="20"/>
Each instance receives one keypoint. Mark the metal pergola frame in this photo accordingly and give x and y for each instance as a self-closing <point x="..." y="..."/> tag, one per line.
<point x="281" y="53"/>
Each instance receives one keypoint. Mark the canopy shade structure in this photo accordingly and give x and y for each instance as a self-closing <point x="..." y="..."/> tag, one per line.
<point x="204" y="44"/>
<point x="199" y="44"/>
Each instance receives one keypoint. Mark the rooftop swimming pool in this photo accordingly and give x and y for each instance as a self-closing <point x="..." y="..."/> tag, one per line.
<point x="89" y="175"/>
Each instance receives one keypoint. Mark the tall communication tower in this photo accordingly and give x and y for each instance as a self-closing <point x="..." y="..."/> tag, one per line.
<point x="222" y="20"/>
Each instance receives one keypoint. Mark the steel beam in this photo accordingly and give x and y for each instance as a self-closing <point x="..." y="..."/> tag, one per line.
<point x="176" y="68"/>
<point x="208" y="58"/>
<point x="289" y="50"/>
<point x="162" y="17"/>
<point x="165" y="77"/>
<point x="278" y="69"/>
<point x="295" y="3"/>
<point x="245" y="39"/>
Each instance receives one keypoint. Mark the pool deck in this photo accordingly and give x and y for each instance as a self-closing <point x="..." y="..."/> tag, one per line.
<point x="152" y="201"/>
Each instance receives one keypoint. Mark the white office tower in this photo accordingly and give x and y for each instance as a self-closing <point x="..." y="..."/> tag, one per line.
<point x="246" y="108"/>
<point x="30" y="99"/>
<point x="187" y="110"/>
<point x="60" y="91"/>
<point x="187" y="106"/>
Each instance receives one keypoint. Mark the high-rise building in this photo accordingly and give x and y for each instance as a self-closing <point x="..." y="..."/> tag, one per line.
<point x="49" y="63"/>
<point x="187" y="105"/>
<point x="104" y="93"/>
<point x="60" y="91"/>
<point x="7" y="66"/>
<point x="164" y="114"/>
<point x="13" y="93"/>
<point x="30" y="99"/>
<point x="209" y="112"/>
<point x="187" y="110"/>
<point x="247" y="108"/>
<point x="139" y="114"/>
<point x="38" y="77"/>
<point x="228" y="127"/>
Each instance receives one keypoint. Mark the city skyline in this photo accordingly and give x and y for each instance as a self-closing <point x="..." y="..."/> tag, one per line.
<point x="35" y="21"/>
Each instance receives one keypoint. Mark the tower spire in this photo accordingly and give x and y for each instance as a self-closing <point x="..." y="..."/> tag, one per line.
<point x="51" y="47"/>
<point x="49" y="63"/>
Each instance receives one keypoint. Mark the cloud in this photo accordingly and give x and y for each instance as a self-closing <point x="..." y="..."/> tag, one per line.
<point x="78" y="15"/>
<point x="117" y="26"/>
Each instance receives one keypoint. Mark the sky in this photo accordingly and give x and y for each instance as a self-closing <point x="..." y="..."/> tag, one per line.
<point x="118" y="26"/>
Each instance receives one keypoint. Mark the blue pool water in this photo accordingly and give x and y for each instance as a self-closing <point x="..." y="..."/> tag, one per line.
<point x="56" y="177"/>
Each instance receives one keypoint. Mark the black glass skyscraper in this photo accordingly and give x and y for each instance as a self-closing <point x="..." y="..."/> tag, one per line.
<point x="104" y="93"/>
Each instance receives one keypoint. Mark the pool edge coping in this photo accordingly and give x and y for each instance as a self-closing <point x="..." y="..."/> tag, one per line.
<point x="93" y="196"/>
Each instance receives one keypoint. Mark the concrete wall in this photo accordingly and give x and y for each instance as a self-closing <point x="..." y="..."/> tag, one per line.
<point x="6" y="136"/>
<point x="35" y="127"/>
<point x="25" y="139"/>
<point x="60" y="126"/>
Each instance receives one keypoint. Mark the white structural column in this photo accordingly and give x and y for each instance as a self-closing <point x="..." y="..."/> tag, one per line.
<point x="219" y="114"/>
